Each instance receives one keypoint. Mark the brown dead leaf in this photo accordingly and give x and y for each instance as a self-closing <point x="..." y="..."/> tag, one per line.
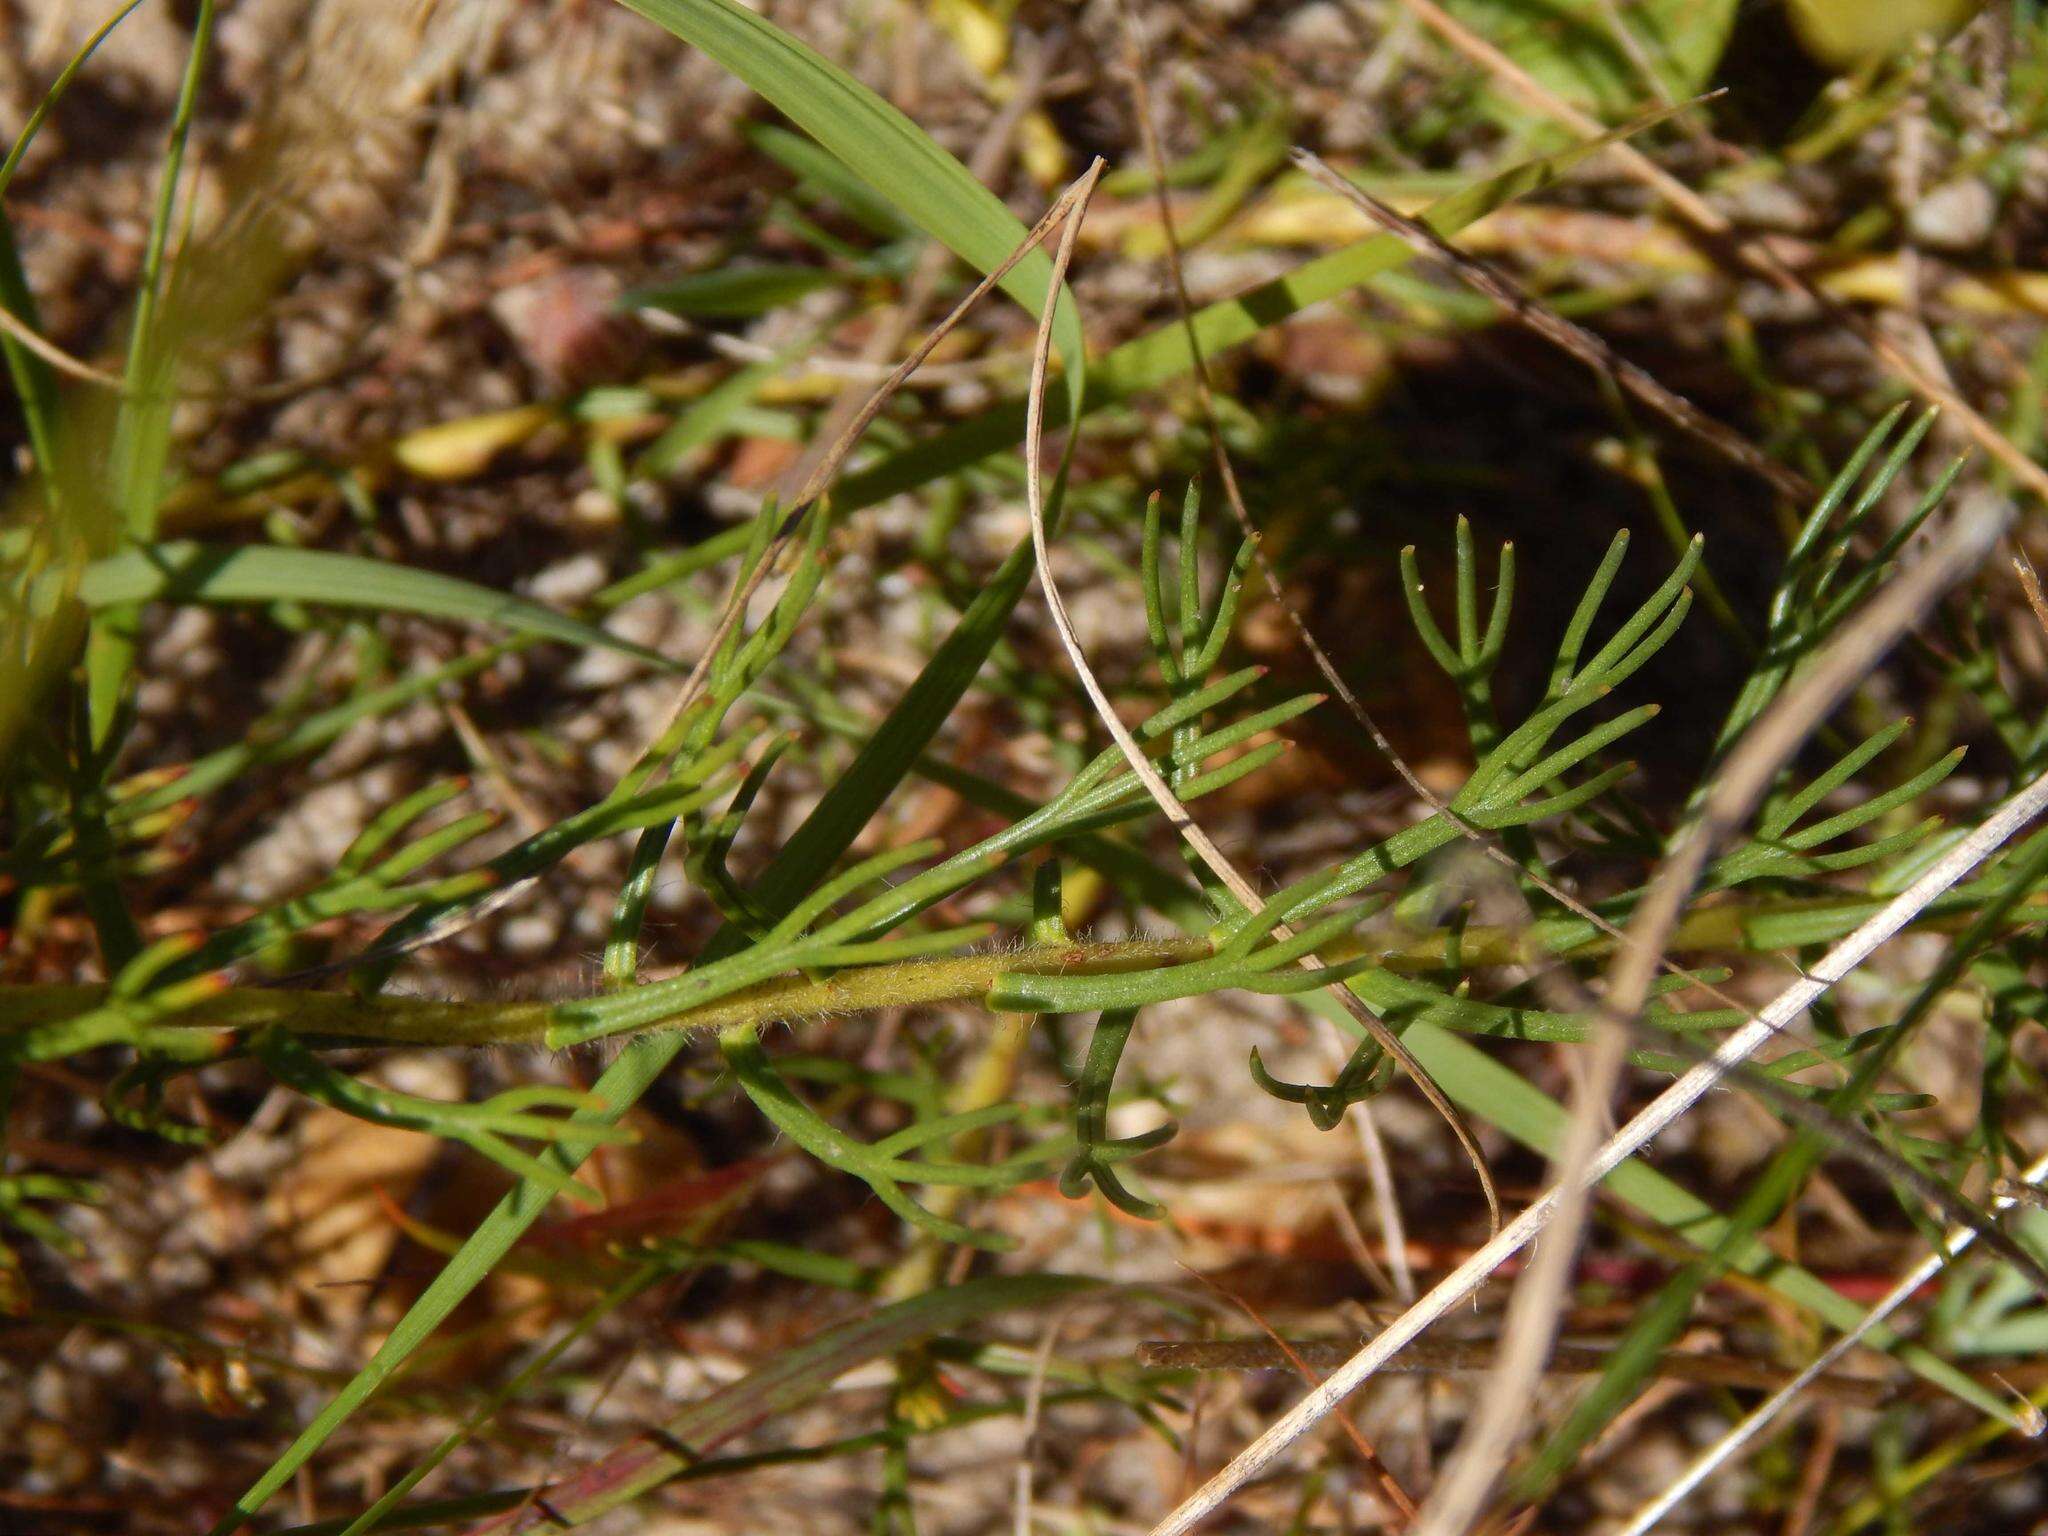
<point x="324" y="1207"/>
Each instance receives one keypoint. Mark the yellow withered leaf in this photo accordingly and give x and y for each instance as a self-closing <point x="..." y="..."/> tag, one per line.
<point x="458" y="450"/>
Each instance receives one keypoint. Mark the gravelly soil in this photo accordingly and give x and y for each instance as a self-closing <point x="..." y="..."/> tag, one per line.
<point x="490" y="180"/>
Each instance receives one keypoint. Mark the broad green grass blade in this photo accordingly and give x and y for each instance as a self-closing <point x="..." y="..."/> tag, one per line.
<point x="260" y="573"/>
<point x="792" y="1378"/>
<point x="1159" y="355"/>
<point x="878" y="144"/>
<point x="829" y="830"/>
<point x="290" y="736"/>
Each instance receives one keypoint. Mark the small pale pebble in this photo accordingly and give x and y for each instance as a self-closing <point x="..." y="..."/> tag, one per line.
<point x="1213" y="274"/>
<point x="1956" y="216"/>
<point x="567" y="582"/>
<point x="1320" y="27"/>
<point x="1106" y="617"/>
<point x="729" y="501"/>
<point x="529" y="933"/>
<point x="1350" y="126"/>
<point x="178" y="1272"/>
<point x="581" y="730"/>
<point x="966" y="395"/>
<point x="424" y="1074"/>
<point x="594" y="508"/>
<point x="187" y="645"/>
<point x="599" y="670"/>
<point x="159" y="698"/>
<point x="1761" y="204"/>
<point x="644" y="620"/>
<point x="306" y="841"/>
<point x="672" y="889"/>
<point x="684" y="1378"/>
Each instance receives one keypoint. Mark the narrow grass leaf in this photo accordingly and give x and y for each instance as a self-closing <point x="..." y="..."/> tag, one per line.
<point x="141" y="442"/>
<point x="182" y="571"/>
<point x="734" y="293"/>
<point x="1491" y="1090"/>
<point x="825" y="834"/>
<point x="877" y="143"/>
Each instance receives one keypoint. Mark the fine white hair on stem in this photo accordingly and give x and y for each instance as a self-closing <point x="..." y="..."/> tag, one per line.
<point x="1655" y="1118"/>
<point x="1760" y="1418"/>
<point x="1076" y="199"/>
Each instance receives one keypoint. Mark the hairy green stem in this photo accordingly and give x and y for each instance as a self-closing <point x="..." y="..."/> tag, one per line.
<point x="339" y="1017"/>
<point x="421" y="1022"/>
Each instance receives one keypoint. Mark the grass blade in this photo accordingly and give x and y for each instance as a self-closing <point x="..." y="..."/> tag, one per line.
<point x="142" y="427"/>
<point x="825" y="834"/>
<point x="877" y="143"/>
<point x="207" y="573"/>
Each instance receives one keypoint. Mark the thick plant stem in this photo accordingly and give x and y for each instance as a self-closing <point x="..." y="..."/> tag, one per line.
<point x="1734" y="927"/>
<point x="421" y="1022"/>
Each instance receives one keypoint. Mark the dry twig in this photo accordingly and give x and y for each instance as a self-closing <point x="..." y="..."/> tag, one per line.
<point x="1720" y="232"/>
<point x="1592" y="350"/>
<point x="1379" y="1172"/>
<point x="828" y="467"/>
<point x="1737" y="788"/>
